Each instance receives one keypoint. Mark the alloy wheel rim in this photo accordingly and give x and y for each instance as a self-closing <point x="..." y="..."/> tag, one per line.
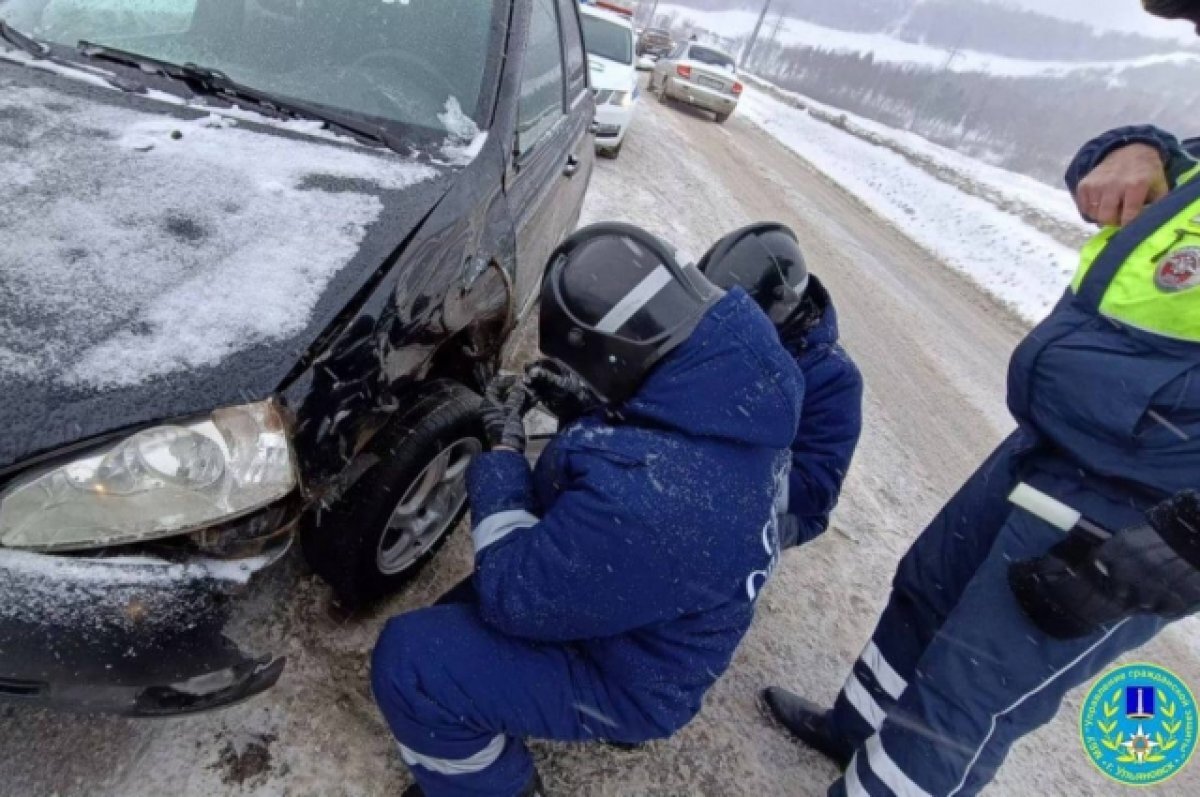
<point x="429" y="506"/>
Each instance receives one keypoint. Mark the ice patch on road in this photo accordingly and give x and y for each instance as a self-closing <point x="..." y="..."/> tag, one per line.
<point x="1020" y="266"/>
<point x="142" y="245"/>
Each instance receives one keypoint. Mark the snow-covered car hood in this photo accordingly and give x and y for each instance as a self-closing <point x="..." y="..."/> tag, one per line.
<point x="611" y="75"/>
<point x="158" y="261"/>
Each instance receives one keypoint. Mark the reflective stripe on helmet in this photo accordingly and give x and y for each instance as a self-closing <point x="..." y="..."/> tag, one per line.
<point x="635" y="300"/>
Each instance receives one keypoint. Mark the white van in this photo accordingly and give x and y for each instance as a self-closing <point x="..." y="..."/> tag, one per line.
<point x="609" y="40"/>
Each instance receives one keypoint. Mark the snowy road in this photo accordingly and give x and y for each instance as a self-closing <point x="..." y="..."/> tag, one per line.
<point x="933" y="350"/>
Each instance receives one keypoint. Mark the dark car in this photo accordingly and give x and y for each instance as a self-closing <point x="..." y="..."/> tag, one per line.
<point x="655" y="42"/>
<point x="257" y="258"/>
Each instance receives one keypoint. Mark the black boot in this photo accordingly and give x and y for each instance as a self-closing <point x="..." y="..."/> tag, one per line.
<point x="533" y="789"/>
<point x="809" y="723"/>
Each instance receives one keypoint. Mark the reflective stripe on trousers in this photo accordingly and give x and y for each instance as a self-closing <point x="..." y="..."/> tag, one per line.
<point x="462" y="766"/>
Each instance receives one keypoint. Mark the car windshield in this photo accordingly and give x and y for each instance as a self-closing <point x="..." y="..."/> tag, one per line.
<point x="606" y="39"/>
<point x="397" y="61"/>
<point x="710" y="57"/>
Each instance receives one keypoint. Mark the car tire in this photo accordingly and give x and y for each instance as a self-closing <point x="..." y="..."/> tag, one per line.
<point x="612" y="153"/>
<point x="722" y="118"/>
<point x="397" y="515"/>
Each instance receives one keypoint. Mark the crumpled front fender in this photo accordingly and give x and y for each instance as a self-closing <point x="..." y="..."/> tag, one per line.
<point x="128" y="635"/>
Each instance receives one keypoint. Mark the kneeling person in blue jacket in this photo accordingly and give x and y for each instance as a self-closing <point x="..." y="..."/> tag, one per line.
<point x="612" y="583"/>
<point x="765" y="260"/>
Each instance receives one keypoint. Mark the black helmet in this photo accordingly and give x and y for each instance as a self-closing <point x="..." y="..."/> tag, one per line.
<point x="615" y="301"/>
<point x="766" y="261"/>
<point x="1174" y="9"/>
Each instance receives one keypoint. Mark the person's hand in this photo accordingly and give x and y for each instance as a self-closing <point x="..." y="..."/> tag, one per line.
<point x="560" y="390"/>
<point x="1122" y="185"/>
<point x="503" y="412"/>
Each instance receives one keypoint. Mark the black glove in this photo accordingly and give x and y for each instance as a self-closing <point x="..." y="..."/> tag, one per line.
<point x="503" y="412"/>
<point x="561" y="391"/>
<point x="1081" y="586"/>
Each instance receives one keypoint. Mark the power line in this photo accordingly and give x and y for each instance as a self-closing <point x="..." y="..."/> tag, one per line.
<point x="754" y="36"/>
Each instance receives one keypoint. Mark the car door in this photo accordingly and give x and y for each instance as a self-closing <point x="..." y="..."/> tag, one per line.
<point x="544" y="160"/>
<point x="664" y="67"/>
<point x="581" y="112"/>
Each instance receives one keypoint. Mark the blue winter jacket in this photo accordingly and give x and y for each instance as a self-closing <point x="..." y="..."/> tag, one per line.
<point x="1177" y="157"/>
<point x="1110" y="411"/>
<point x="643" y="544"/>
<point x="830" y="423"/>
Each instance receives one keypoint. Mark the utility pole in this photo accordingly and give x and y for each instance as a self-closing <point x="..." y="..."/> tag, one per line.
<point x="649" y="23"/>
<point x="775" y="30"/>
<point x="754" y="36"/>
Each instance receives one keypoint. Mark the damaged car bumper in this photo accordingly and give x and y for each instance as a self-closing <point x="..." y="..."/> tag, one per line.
<point x="135" y="636"/>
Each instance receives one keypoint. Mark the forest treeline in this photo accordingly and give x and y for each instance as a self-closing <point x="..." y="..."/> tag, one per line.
<point x="1027" y="124"/>
<point x="1030" y="124"/>
<point x="962" y="24"/>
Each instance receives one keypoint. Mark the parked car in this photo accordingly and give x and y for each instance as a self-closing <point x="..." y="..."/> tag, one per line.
<point x="699" y="75"/>
<point x="260" y="256"/>
<point x="655" y="41"/>
<point x="608" y="39"/>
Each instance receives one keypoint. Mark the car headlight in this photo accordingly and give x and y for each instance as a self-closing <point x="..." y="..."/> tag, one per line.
<point x="621" y="98"/>
<point x="160" y="482"/>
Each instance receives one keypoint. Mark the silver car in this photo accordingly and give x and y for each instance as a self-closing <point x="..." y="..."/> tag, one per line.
<point x="700" y="75"/>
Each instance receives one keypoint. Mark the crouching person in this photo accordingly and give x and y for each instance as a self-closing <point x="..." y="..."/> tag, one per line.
<point x="766" y="261"/>
<point x="613" y="583"/>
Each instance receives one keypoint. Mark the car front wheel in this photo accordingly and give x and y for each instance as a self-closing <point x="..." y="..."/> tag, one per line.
<point x="398" y="514"/>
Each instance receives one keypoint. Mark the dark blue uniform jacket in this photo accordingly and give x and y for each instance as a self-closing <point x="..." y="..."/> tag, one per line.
<point x="652" y="536"/>
<point x="1109" y="409"/>
<point x="830" y="424"/>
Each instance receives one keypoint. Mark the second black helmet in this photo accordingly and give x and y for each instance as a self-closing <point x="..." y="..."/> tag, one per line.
<point x="1174" y="9"/>
<point x="615" y="301"/>
<point x="765" y="259"/>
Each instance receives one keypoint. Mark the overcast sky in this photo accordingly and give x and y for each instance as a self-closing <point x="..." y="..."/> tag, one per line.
<point x="1110" y="14"/>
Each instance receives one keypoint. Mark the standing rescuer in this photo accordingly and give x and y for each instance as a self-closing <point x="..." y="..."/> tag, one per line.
<point x="765" y="260"/>
<point x="612" y="583"/>
<point x="995" y="612"/>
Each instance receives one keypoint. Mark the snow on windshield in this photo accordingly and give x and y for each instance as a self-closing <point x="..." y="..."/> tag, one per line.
<point x="141" y="245"/>
<point x="466" y="140"/>
<point x="394" y="61"/>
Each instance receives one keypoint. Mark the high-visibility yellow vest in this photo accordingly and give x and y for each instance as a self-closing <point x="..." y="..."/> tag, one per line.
<point x="1157" y="288"/>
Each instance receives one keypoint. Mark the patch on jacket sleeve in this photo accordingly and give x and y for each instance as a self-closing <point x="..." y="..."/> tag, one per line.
<point x="1179" y="271"/>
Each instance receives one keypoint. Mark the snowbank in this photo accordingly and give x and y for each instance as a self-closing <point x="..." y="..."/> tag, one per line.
<point x="1022" y="267"/>
<point x="998" y="185"/>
